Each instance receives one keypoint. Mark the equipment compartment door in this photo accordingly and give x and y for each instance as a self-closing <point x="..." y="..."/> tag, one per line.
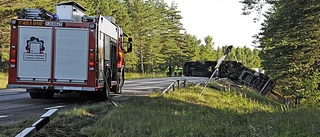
<point x="71" y="55"/>
<point x="34" y="54"/>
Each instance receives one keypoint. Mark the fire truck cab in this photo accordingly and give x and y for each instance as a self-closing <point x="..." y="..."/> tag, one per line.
<point x="66" y="52"/>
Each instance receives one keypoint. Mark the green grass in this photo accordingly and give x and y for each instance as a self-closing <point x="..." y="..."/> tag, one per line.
<point x="141" y="76"/>
<point x="184" y="113"/>
<point x="3" y="80"/>
<point x="13" y="129"/>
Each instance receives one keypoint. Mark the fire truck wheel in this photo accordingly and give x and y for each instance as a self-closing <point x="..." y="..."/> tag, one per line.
<point x="47" y="95"/>
<point x="35" y="95"/>
<point x="102" y="95"/>
<point x="118" y="88"/>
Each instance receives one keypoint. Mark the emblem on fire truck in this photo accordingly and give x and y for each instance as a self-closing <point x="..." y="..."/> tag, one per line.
<point x="35" y="50"/>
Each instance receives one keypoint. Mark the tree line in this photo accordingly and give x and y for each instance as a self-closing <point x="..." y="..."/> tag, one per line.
<point x="290" y="45"/>
<point x="155" y="26"/>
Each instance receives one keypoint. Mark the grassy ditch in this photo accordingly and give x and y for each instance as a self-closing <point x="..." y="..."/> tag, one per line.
<point x="181" y="113"/>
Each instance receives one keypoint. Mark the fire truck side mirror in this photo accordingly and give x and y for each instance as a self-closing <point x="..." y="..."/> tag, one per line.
<point x="129" y="46"/>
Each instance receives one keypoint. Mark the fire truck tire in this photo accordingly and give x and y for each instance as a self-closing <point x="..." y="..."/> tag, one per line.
<point x="48" y="95"/>
<point x="103" y="95"/>
<point x="39" y="93"/>
<point x="117" y="89"/>
<point x="35" y="95"/>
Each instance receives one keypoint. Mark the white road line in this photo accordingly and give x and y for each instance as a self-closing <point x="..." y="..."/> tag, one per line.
<point x="4" y="116"/>
<point x="55" y="107"/>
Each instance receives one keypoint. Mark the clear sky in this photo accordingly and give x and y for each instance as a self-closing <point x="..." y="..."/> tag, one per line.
<point x="220" y="19"/>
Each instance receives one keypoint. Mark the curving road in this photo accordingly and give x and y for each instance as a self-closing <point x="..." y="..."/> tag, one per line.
<point x="16" y="105"/>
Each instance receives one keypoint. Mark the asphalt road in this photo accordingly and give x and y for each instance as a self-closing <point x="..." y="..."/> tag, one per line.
<point x="16" y="105"/>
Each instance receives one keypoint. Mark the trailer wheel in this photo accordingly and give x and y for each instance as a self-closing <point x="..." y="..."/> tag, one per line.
<point x="35" y="95"/>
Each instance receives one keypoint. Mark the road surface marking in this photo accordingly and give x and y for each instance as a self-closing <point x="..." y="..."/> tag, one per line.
<point x="55" y="107"/>
<point x="4" y="116"/>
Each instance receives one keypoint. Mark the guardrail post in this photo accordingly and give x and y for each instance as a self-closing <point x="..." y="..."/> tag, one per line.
<point x="184" y="83"/>
<point x="178" y="84"/>
<point x="173" y="88"/>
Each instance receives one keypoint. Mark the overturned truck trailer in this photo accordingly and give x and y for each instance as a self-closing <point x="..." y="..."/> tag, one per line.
<point x="232" y="70"/>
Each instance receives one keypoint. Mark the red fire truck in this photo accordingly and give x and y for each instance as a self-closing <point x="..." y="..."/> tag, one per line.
<point x="66" y="52"/>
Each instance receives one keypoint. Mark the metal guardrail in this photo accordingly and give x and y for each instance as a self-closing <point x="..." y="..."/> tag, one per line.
<point x="35" y="127"/>
<point x="176" y="85"/>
